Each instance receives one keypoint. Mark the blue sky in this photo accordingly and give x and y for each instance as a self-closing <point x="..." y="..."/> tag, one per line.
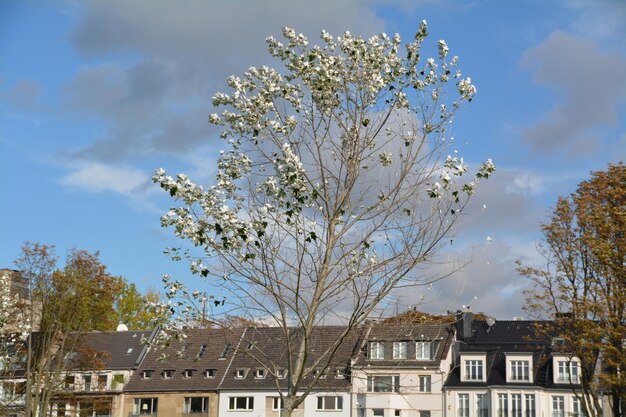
<point x="95" y="95"/>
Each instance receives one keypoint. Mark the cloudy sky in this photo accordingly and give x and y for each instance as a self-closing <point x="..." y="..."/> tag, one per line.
<point x="95" y="95"/>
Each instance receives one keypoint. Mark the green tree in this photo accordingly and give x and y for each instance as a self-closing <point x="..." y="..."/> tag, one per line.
<point x="132" y="308"/>
<point x="583" y="284"/>
<point x="335" y="185"/>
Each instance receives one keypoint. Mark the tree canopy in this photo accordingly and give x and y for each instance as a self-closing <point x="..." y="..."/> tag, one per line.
<point x="583" y="283"/>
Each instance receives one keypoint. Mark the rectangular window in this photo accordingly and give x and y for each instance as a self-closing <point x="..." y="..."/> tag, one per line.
<point x="482" y="405"/>
<point x="210" y="373"/>
<point x="259" y="373"/>
<point x="146" y="374"/>
<point x="103" y="380"/>
<point x="423" y="350"/>
<point x="474" y="370"/>
<point x="576" y="409"/>
<point x="167" y="374"/>
<point x="330" y="403"/>
<point x="520" y="371"/>
<point x="240" y="373"/>
<point x="201" y="351"/>
<point x="400" y="350"/>
<point x="277" y="403"/>
<point x="377" y="350"/>
<point x="241" y="403"/>
<point x="86" y="382"/>
<point x="424" y="383"/>
<point x="340" y="373"/>
<point x="281" y="373"/>
<point x="463" y="409"/>
<point x="558" y="406"/>
<point x="503" y="405"/>
<point x="145" y="406"/>
<point x="199" y="405"/>
<point x="378" y="412"/>
<point x="69" y="382"/>
<point x="383" y="383"/>
<point x="516" y="405"/>
<point x="187" y="373"/>
<point x="567" y="372"/>
<point x="529" y="400"/>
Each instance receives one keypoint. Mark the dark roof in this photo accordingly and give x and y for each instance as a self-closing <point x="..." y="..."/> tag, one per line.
<point x="107" y="350"/>
<point x="268" y="348"/>
<point x="219" y="350"/>
<point x="440" y="335"/>
<point x="507" y="337"/>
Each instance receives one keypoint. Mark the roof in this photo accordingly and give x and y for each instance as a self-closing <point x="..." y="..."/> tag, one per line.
<point x="439" y="335"/>
<point x="507" y="337"/>
<point x="203" y="349"/>
<point x="267" y="348"/>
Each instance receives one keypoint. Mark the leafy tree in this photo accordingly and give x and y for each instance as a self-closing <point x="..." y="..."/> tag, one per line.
<point x="334" y="187"/>
<point x="132" y="308"/>
<point x="583" y="284"/>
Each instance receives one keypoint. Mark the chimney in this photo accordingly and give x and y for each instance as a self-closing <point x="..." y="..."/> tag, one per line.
<point x="464" y="321"/>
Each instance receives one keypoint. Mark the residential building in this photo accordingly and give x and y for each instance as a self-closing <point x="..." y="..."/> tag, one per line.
<point x="400" y="370"/>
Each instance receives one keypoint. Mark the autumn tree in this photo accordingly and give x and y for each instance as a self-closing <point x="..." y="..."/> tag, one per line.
<point x="583" y="284"/>
<point x="133" y="308"/>
<point x="336" y="184"/>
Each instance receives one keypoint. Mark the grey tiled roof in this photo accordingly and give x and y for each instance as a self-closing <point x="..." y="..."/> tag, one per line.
<point x="220" y="347"/>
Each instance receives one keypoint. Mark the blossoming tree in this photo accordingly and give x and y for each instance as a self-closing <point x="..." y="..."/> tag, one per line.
<point x="333" y="188"/>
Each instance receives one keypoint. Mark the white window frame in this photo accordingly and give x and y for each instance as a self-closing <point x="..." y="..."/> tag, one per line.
<point x="424" y="383"/>
<point x="530" y="406"/>
<point x="375" y="382"/>
<point x="259" y="373"/>
<point x="249" y="403"/>
<point x="167" y="374"/>
<point x="503" y="405"/>
<point x="152" y="408"/>
<point x="519" y="369"/>
<point x="462" y="405"/>
<point x="400" y="350"/>
<point x="210" y="373"/>
<point x="473" y="369"/>
<point x="187" y="405"/>
<point x="566" y="370"/>
<point x="482" y="403"/>
<point x="241" y="373"/>
<point x="187" y="373"/>
<point x="577" y="410"/>
<point x="377" y="350"/>
<point x="557" y="406"/>
<point x="324" y="399"/>
<point x="277" y="403"/>
<point x="423" y="350"/>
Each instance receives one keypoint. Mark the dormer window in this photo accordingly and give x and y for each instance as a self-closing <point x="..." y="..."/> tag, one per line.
<point x="240" y="373"/>
<point x="146" y="374"/>
<point x="519" y="367"/>
<point x="377" y="350"/>
<point x="281" y="373"/>
<point x="210" y="373"/>
<point x="259" y="373"/>
<point x="340" y="373"/>
<point x="423" y="350"/>
<point x="187" y="373"/>
<point x="473" y="367"/>
<point x="167" y="374"/>
<point x="566" y="371"/>
<point x="400" y="350"/>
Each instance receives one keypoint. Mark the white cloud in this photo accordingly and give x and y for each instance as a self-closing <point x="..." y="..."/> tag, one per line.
<point x="97" y="177"/>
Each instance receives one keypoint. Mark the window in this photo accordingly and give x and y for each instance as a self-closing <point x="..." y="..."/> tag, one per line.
<point x="377" y="350"/>
<point x="424" y="383"/>
<point x="146" y="374"/>
<point x="422" y="413"/>
<point x="516" y="405"/>
<point x="277" y="403"/>
<point x="520" y="371"/>
<point x="399" y="350"/>
<point x="330" y="403"/>
<point x="196" y="405"/>
<point x="70" y="380"/>
<point x="383" y="383"/>
<point x="558" y="406"/>
<point x="482" y="405"/>
<point x="576" y="409"/>
<point x="86" y="382"/>
<point x="240" y="373"/>
<point x="241" y="403"/>
<point x="210" y="373"/>
<point x="103" y="380"/>
<point x="398" y="413"/>
<point x="259" y="373"/>
<point x="145" y="406"/>
<point x="340" y="373"/>
<point x="567" y="372"/>
<point x="281" y="373"/>
<point x="129" y="351"/>
<point x="473" y="370"/>
<point x="422" y="350"/>
<point x="225" y="351"/>
<point x="201" y="351"/>
<point x="378" y="412"/>
<point x="167" y="374"/>
<point x="463" y="409"/>
<point x="187" y="373"/>
<point x="529" y="400"/>
<point x="503" y="405"/>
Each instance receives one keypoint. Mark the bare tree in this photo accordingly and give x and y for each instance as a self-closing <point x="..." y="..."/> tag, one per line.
<point x="334" y="187"/>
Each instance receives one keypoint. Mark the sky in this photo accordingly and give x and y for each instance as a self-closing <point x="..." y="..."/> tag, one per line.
<point x="94" y="96"/>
